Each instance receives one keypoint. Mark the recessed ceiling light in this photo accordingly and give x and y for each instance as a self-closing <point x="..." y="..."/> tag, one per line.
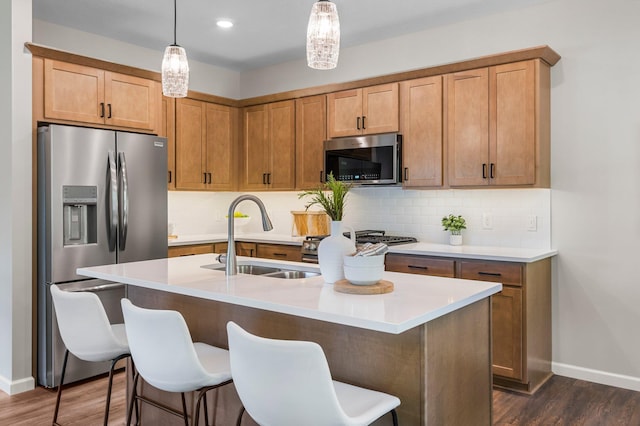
<point x="224" y="23"/>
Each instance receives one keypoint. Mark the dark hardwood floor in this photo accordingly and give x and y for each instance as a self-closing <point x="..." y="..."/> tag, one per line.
<point x="561" y="401"/>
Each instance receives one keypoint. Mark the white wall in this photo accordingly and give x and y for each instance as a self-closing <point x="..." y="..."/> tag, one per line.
<point x="202" y="77"/>
<point x="595" y="126"/>
<point x="15" y="193"/>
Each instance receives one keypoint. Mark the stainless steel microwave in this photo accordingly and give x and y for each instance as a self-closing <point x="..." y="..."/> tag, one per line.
<point x="365" y="160"/>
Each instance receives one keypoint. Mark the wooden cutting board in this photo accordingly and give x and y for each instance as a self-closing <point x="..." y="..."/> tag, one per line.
<point x="381" y="287"/>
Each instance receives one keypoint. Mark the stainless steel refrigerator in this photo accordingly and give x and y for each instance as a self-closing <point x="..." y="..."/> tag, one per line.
<point x="102" y="199"/>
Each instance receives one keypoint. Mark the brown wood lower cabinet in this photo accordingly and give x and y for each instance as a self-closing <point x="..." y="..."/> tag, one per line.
<point x="521" y="312"/>
<point x="280" y="252"/>
<point x="190" y="250"/>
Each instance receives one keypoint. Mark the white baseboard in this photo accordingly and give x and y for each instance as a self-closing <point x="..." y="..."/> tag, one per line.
<point x="596" y="376"/>
<point x="16" y="386"/>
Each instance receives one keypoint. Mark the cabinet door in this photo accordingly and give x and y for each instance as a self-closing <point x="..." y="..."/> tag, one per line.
<point x="311" y="119"/>
<point x="380" y="109"/>
<point x="168" y="130"/>
<point x="245" y="249"/>
<point x="130" y="101"/>
<point x="282" y="142"/>
<point x="220" y="133"/>
<point x="190" y="144"/>
<point x="507" y="333"/>
<point x="468" y="127"/>
<point x="73" y="92"/>
<point x="512" y="126"/>
<point x="421" y="106"/>
<point x="345" y="113"/>
<point x="190" y="250"/>
<point x="255" y="148"/>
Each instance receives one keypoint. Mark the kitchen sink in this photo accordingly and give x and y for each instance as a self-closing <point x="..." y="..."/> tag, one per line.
<point x="252" y="268"/>
<point x="245" y="268"/>
<point x="292" y="275"/>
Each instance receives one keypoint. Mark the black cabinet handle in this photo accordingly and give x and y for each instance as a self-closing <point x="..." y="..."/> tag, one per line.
<point x="424" y="268"/>
<point x="363" y="125"/>
<point x="490" y="274"/>
<point x="101" y="109"/>
<point x="406" y="173"/>
<point x="268" y="178"/>
<point x="264" y="178"/>
<point x="280" y="254"/>
<point x="109" y="108"/>
<point x="358" y="123"/>
<point x="209" y="175"/>
<point x="492" y="171"/>
<point x="484" y="170"/>
<point x="205" y="177"/>
<point x="169" y="176"/>
<point x="320" y="176"/>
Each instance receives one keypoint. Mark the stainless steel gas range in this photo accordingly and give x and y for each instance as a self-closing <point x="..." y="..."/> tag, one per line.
<point x="310" y="244"/>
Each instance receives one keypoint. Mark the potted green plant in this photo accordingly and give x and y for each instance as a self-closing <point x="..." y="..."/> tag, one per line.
<point x="332" y="197"/>
<point x="455" y="225"/>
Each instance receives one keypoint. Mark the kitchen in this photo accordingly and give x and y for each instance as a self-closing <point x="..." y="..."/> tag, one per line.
<point x="592" y="128"/>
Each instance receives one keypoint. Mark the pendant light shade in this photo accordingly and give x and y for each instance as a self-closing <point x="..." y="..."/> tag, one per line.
<point x="175" y="68"/>
<point x="323" y="36"/>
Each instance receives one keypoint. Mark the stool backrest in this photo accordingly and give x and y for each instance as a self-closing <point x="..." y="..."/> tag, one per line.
<point x="283" y="382"/>
<point x="84" y="325"/>
<point x="162" y="349"/>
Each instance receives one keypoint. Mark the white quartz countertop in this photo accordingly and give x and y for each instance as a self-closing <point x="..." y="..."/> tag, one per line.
<point x="505" y="254"/>
<point x="416" y="299"/>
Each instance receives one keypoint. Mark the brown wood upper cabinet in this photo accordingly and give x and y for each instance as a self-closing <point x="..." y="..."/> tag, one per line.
<point x="364" y="111"/>
<point x="268" y="144"/>
<point x="89" y="95"/>
<point x="311" y="125"/>
<point x="205" y="145"/>
<point x="421" y="128"/>
<point x="498" y="125"/>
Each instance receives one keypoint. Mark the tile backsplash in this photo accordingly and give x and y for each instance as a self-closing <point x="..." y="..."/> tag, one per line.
<point x="495" y="217"/>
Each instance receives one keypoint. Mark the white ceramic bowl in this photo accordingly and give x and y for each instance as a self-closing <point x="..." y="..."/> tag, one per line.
<point x="363" y="270"/>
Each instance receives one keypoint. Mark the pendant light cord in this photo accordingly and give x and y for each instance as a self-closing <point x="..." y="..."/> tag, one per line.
<point x="175" y="13"/>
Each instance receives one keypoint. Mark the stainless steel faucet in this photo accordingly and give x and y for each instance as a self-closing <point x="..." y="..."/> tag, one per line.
<point x="231" y="267"/>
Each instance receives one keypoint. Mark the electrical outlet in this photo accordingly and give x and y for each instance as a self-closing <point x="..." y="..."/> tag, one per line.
<point x="532" y="223"/>
<point x="487" y="221"/>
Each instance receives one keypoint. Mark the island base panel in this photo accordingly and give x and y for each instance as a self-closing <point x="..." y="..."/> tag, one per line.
<point x="441" y="371"/>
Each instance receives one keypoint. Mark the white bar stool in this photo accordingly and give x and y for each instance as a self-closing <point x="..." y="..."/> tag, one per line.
<point x="87" y="334"/>
<point x="167" y="358"/>
<point x="288" y="383"/>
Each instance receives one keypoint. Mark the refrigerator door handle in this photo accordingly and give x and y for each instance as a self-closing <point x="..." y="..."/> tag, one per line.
<point x="124" y="200"/>
<point x="112" y="213"/>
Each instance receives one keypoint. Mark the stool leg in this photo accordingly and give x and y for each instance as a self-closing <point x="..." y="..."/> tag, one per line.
<point x="240" y="416"/>
<point x="134" y="396"/>
<point x="184" y="410"/>
<point x="64" y="368"/>
<point x="394" y="415"/>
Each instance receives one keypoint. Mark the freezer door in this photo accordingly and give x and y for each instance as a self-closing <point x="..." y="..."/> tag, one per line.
<point x="75" y="226"/>
<point x="142" y="194"/>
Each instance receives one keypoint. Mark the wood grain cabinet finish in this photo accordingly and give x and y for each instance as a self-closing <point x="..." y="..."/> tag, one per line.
<point x="82" y="94"/>
<point x="205" y="145"/>
<point x="363" y="111"/>
<point x="498" y="125"/>
<point x="268" y="147"/>
<point x="521" y="312"/>
<point x="279" y="252"/>
<point x="190" y="250"/>
<point x="422" y="132"/>
<point x="421" y="265"/>
<point x="242" y="248"/>
<point x="311" y="125"/>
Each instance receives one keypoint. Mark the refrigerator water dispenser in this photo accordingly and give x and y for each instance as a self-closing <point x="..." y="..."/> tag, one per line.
<point x="79" y="214"/>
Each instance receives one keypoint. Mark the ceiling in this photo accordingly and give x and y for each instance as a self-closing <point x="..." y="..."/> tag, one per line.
<point x="264" y="32"/>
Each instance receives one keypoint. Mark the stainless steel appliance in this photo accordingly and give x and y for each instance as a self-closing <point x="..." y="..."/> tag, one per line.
<point x="102" y="199"/>
<point x="309" y="247"/>
<point x="366" y="160"/>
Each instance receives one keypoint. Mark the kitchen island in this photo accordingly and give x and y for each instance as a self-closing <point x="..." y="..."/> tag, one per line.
<point x="427" y="342"/>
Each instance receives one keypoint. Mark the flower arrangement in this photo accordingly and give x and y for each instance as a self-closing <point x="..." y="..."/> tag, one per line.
<point x="454" y="224"/>
<point x="331" y="197"/>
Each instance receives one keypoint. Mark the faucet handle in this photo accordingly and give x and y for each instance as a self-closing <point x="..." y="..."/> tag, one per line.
<point x="222" y="258"/>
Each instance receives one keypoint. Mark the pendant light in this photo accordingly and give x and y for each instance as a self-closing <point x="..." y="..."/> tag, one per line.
<point x="175" y="68"/>
<point x="323" y="36"/>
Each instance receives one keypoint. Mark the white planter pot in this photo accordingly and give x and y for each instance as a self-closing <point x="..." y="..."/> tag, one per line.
<point x="331" y="252"/>
<point x="455" y="240"/>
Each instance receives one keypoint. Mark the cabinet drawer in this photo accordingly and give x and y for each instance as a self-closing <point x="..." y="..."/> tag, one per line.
<point x="420" y="265"/>
<point x="190" y="250"/>
<point x="279" y="252"/>
<point x="242" y="249"/>
<point x="500" y="272"/>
